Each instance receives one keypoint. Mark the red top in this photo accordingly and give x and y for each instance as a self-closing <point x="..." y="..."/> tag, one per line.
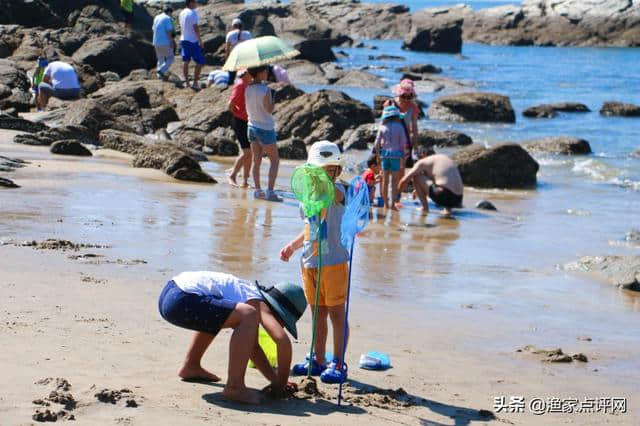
<point x="239" y="109"/>
<point x="369" y="177"/>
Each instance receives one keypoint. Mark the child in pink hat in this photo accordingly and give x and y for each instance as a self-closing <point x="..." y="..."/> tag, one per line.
<point x="404" y="99"/>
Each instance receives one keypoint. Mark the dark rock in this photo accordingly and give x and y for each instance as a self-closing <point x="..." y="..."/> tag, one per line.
<point x="126" y="142"/>
<point x="448" y="138"/>
<point x="193" y="175"/>
<point x="378" y="104"/>
<point x="292" y="149"/>
<point x="324" y="114"/>
<point x="621" y="271"/>
<point x="420" y="69"/>
<point x="485" y="205"/>
<point x="332" y="72"/>
<point x="620" y="109"/>
<point x="359" y="138"/>
<point x="110" y="76"/>
<point x="317" y="51"/>
<point x="49" y="136"/>
<point x="478" y="106"/>
<point x="89" y="79"/>
<point x="14" y="87"/>
<point x="506" y="166"/>
<point x="222" y="143"/>
<point x="559" y="145"/>
<point x="70" y="147"/>
<point x="543" y="111"/>
<point x="306" y="72"/>
<point x="569" y="107"/>
<point x="205" y="111"/>
<point x="284" y="92"/>
<point x="633" y="235"/>
<point x="549" y="110"/>
<point x="580" y="357"/>
<point x="386" y="58"/>
<point x="94" y="116"/>
<point x="131" y="403"/>
<point x="45" y="416"/>
<point x="116" y="53"/>
<point x="357" y="78"/>
<point x="15" y="123"/>
<point x="430" y="34"/>
<point x="10" y="164"/>
<point x="7" y="183"/>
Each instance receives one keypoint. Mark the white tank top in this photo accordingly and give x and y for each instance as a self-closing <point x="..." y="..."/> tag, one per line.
<point x="258" y="117"/>
<point x="217" y="284"/>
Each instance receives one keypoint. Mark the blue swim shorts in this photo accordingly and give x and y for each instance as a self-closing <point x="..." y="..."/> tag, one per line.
<point x="261" y="136"/>
<point x="64" y="94"/>
<point x="391" y="160"/>
<point x="191" y="51"/>
<point x="194" y="312"/>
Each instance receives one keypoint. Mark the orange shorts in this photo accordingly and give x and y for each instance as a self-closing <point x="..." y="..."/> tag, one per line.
<point x="333" y="289"/>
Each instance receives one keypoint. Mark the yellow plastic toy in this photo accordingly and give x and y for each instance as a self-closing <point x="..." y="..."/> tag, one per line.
<point x="268" y="346"/>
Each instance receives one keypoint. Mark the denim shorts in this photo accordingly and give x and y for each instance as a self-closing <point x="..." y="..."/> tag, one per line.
<point x="64" y="94"/>
<point x="191" y="51"/>
<point x="192" y="311"/>
<point x="261" y="136"/>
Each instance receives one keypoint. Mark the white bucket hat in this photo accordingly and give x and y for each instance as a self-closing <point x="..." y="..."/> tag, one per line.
<point x="325" y="153"/>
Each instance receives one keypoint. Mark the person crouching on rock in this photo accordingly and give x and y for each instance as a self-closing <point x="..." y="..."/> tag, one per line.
<point x="438" y="176"/>
<point x="207" y="302"/>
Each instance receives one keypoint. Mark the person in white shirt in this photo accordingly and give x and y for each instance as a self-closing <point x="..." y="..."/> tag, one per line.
<point x="163" y="41"/>
<point x="207" y="302"/>
<point x="60" y="81"/>
<point x="234" y="37"/>
<point x="218" y="78"/>
<point x="191" y="43"/>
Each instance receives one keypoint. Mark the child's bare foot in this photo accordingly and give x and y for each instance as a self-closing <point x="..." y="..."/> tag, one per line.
<point x="231" y="179"/>
<point x="242" y="395"/>
<point x="447" y="212"/>
<point x="190" y="373"/>
<point x="244" y="185"/>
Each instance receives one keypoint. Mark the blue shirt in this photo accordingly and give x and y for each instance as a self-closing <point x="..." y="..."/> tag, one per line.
<point x="161" y="26"/>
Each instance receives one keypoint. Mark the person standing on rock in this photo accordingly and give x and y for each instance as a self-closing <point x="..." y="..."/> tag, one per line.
<point x="191" y="43"/>
<point x="60" y="80"/>
<point x="437" y="176"/>
<point x="234" y="37"/>
<point x="261" y="131"/>
<point x="240" y="119"/>
<point x="404" y="96"/>
<point x="163" y="42"/>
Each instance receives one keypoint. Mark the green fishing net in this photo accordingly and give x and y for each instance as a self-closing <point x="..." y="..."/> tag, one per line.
<point x="313" y="187"/>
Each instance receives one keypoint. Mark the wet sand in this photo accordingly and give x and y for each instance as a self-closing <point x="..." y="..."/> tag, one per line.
<point x="450" y="300"/>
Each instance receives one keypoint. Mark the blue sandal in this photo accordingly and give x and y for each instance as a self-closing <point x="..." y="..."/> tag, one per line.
<point x="303" y="368"/>
<point x="332" y="375"/>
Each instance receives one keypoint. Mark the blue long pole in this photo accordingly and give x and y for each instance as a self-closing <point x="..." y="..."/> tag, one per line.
<point x="346" y="317"/>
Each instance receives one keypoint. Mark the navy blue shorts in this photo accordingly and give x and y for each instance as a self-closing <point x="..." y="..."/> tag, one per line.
<point x="191" y="51"/>
<point x="194" y="312"/>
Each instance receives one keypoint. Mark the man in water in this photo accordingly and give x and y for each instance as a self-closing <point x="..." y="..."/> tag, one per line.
<point x="437" y="176"/>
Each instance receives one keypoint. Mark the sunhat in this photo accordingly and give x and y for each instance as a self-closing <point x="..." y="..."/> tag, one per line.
<point x="236" y="22"/>
<point x="325" y="153"/>
<point x="287" y="301"/>
<point x="405" y="87"/>
<point x="391" y="111"/>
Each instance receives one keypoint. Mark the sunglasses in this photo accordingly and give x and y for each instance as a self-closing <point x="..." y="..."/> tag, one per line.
<point x="406" y="96"/>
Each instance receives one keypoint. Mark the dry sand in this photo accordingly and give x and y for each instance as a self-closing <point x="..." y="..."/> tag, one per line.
<point x="93" y="321"/>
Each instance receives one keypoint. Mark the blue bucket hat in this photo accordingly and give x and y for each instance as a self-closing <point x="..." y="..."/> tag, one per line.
<point x="391" y="111"/>
<point x="287" y="302"/>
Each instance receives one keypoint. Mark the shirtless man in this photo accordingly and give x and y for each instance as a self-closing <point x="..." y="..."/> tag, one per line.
<point x="436" y="175"/>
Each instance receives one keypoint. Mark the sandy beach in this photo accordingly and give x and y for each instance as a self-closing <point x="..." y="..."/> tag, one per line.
<point x="90" y="315"/>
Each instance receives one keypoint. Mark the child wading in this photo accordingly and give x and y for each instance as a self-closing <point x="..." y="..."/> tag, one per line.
<point x="335" y="269"/>
<point x="210" y="301"/>
<point x="371" y="176"/>
<point x="390" y="148"/>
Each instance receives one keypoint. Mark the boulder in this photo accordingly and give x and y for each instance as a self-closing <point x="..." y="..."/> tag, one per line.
<point x="54" y="134"/>
<point x="621" y="271"/>
<point x="116" y="53"/>
<point x="292" y="149"/>
<point x="386" y="58"/>
<point x="429" y="33"/>
<point x="478" y="106"/>
<point x="10" y="122"/>
<point x="117" y="140"/>
<point x="559" y="145"/>
<point x="442" y="139"/>
<point x="10" y="164"/>
<point x="317" y="51"/>
<point x="7" y="183"/>
<point x="306" y="72"/>
<point x="420" y="69"/>
<point x="204" y="112"/>
<point x="486" y="205"/>
<point x="283" y="92"/>
<point x="325" y="114"/>
<point x="89" y="79"/>
<point x="361" y="79"/>
<point x="222" y="142"/>
<point x="359" y="138"/>
<point x="504" y="166"/>
<point x="173" y="160"/>
<point x="620" y="109"/>
<point x="94" y="116"/>
<point x="549" y="110"/>
<point x="14" y="87"/>
<point x="70" y="147"/>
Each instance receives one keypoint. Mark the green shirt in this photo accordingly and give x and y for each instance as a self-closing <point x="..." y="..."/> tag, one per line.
<point x="127" y="5"/>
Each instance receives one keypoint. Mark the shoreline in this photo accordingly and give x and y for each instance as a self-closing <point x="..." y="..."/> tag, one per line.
<point x="95" y="320"/>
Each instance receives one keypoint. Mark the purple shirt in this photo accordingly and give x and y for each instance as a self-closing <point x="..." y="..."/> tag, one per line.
<point x="392" y="137"/>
